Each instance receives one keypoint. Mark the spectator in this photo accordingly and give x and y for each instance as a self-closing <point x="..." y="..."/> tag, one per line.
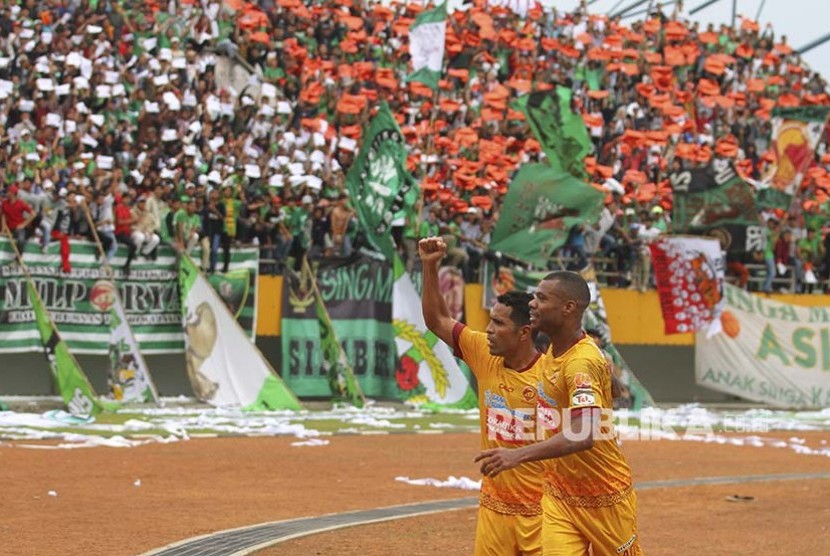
<point x="188" y="224"/>
<point x="647" y="232"/>
<point x="124" y="222"/>
<point x="340" y="216"/>
<point x="39" y="201"/>
<point x="66" y="226"/>
<point x="811" y="255"/>
<point x="104" y="220"/>
<point x="784" y="258"/>
<point x="213" y="218"/>
<point x="17" y="216"/>
<point x="321" y="238"/>
<point x="144" y="236"/>
<point x="771" y="233"/>
<point x="232" y="207"/>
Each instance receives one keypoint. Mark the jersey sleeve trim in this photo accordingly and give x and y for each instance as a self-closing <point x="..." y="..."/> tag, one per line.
<point x="456" y="337"/>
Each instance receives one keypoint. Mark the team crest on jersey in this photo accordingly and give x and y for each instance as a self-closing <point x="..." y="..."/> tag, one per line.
<point x="529" y="393"/>
<point x="582" y="380"/>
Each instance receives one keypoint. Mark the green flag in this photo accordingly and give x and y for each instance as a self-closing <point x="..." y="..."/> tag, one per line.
<point x="378" y="181"/>
<point x="710" y="196"/>
<point x="426" y="46"/>
<point x="541" y="206"/>
<point x="558" y="129"/>
<point x="71" y="381"/>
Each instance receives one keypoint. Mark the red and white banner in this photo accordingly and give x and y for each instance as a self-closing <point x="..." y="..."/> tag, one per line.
<point x="689" y="274"/>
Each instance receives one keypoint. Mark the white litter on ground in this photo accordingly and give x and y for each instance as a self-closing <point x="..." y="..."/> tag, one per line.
<point x="312" y="442"/>
<point x="145" y="425"/>
<point x="463" y="483"/>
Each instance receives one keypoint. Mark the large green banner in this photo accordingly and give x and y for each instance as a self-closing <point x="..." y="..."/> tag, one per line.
<point x="358" y="297"/>
<point x="79" y="301"/>
<point x="540" y="208"/>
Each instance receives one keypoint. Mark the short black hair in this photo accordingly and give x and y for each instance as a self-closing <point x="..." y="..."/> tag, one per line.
<point x="519" y="303"/>
<point x="574" y="285"/>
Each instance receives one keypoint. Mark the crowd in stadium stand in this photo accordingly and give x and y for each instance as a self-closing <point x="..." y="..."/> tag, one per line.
<point x="118" y="107"/>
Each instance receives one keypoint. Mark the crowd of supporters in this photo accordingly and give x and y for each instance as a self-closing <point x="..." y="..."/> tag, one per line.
<point x="130" y="116"/>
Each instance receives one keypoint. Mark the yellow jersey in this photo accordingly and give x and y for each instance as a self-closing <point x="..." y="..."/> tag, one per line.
<point x="580" y="378"/>
<point x="507" y="405"/>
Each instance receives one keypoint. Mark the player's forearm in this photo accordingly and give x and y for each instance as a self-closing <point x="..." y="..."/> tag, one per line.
<point x="556" y="446"/>
<point x="432" y="302"/>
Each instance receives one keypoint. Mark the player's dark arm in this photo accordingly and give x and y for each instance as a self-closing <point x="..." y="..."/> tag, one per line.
<point x="436" y="313"/>
<point x="576" y="436"/>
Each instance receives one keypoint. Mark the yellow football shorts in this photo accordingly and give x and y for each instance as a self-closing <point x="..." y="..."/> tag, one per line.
<point x="508" y="535"/>
<point x="605" y="531"/>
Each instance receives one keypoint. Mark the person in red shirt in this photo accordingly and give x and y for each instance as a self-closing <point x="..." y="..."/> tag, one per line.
<point x="16" y="216"/>
<point x="124" y="220"/>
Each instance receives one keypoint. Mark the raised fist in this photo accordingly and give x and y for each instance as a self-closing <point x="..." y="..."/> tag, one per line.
<point x="432" y="250"/>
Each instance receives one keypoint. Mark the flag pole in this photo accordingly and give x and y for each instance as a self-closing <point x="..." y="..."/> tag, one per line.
<point x="17" y="254"/>
<point x="111" y="275"/>
<point x="436" y="98"/>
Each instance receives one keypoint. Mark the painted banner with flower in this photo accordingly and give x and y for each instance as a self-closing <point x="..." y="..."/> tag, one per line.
<point x="689" y="273"/>
<point x="437" y="371"/>
<point x="389" y="353"/>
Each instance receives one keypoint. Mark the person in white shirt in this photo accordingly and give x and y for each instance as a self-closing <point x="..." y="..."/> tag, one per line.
<point x="647" y="232"/>
<point x="143" y="235"/>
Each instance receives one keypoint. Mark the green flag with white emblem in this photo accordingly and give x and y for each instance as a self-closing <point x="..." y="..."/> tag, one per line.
<point x="426" y="46"/>
<point x="378" y="182"/>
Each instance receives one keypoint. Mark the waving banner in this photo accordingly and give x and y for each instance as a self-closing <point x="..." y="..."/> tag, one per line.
<point x="72" y="383"/>
<point x="378" y="181"/>
<point x="129" y="380"/>
<point x="795" y="133"/>
<point x="560" y="131"/>
<point x="426" y="46"/>
<point x="689" y="272"/>
<point x="768" y="352"/>
<point x="540" y="208"/>
<point x="712" y="196"/>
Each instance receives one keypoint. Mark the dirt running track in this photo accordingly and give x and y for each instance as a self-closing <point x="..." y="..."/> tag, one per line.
<point x="201" y="486"/>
